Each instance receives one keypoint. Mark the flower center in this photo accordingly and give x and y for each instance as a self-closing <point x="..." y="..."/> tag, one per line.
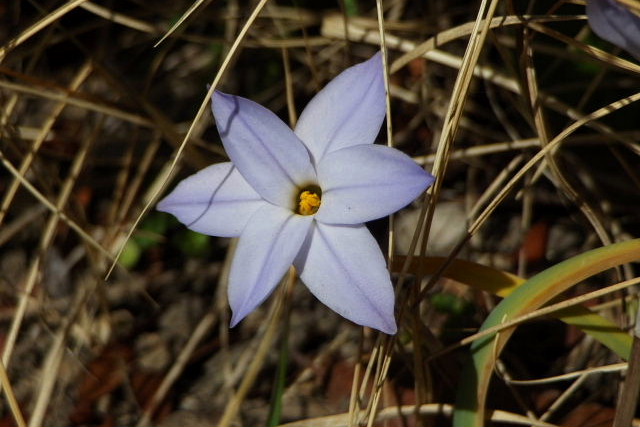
<point x="308" y="202"/>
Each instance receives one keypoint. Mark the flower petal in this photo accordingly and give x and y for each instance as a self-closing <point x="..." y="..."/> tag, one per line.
<point x="348" y="111"/>
<point x="616" y="24"/>
<point x="265" y="251"/>
<point x="216" y="201"/>
<point x="344" y="268"/>
<point x="366" y="182"/>
<point x="264" y="149"/>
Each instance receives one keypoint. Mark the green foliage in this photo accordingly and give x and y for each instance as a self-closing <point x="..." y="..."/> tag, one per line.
<point x="533" y="294"/>
<point x="149" y="234"/>
<point x="152" y="232"/>
<point x="452" y="304"/>
<point x="193" y="244"/>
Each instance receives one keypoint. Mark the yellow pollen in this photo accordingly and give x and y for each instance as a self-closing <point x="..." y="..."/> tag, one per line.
<point x="309" y="203"/>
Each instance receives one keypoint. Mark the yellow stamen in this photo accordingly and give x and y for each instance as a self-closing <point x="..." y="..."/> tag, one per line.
<point x="309" y="203"/>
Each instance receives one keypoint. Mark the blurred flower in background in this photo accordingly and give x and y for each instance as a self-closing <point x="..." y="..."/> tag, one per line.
<point x="616" y="23"/>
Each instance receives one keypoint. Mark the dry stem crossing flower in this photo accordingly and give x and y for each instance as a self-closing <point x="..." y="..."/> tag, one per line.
<point x="302" y="197"/>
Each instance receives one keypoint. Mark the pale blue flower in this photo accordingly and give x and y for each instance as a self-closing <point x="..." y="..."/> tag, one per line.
<point x="615" y="23"/>
<point x="301" y="197"/>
